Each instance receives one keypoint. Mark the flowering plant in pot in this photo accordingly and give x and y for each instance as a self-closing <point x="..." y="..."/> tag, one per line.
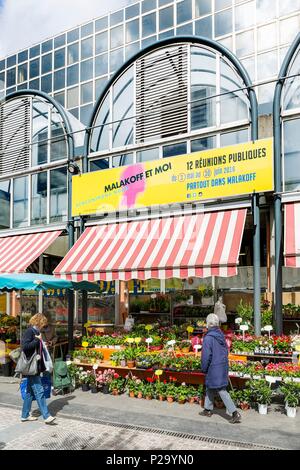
<point x="161" y="390"/>
<point x="148" y="389"/>
<point x="116" y="386"/>
<point x="130" y="356"/>
<point x="185" y="346"/>
<point x="132" y="384"/>
<point x="182" y="393"/>
<point x="104" y="378"/>
<point x="86" y="379"/>
<point x="291" y="393"/>
<point x="171" y="392"/>
<point x="261" y="393"/>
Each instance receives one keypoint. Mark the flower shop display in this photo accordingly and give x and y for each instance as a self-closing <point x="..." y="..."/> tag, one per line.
<point x="86" y="379"/>
<point x="116" y="386"/>
<point x="104" y="379"/>
<point x="260" y="393"/>
<point x="291" y="394"/>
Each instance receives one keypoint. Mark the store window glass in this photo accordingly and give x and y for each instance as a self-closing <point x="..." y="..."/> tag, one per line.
<point x="147" y="155"/>
<point x="223" y="23"/>
<point x="85" y="114"/>
<point x="60" y="98"/>
<point x="20" y="202"/>
<point x="203" y="86"/>
<point x="116" y="37"/>
<point x="34" y="68"/>
<point x="5" y="196"/>
<point x="123" y="109"/>
<point x="116" y="17"/>
<point x="87" y="29"/>
<point x="100" y="136"/>
<point x="101" y="307"/>
<point x="288" y="6"/>
<point x="132" y="11"/>
<point x="204" y="143"/>
<point x="99" y="86"/>
<point x="59" y="41"/>
<point x="184" y="11"/>
<point x="47" y="46"/>
<point x="148" y="5"/>
<point x="132" y="31"/>
<point x="58" y="144"/>
<point x="174" y="150"/>
<point x="122" y="160"/>
<point x="58" y="195"/>
<point x="101" y="42"/>
<point x="39" y="198"/>
<point x="2" y="80"/>
<point x="131" y="50"/>
<point x="102" y="23"/>
<point x="148" y="25"/>
<point x="234" y="106"/>
<point x="22" y="56"/>
<point x="40" y="111"/>
<point x="100" y="164"/>
<point x="73" y="53"/>
<point x="291" y="155"/>
<point x="12" y="60"/>
<point x="233" y="138"/>
<point x="34" y="51"/>
<point x="186" y="29"/>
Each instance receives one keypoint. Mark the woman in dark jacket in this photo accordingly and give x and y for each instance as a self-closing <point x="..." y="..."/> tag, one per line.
<point x="31" y="343"/>
<point x="214" y="362"/>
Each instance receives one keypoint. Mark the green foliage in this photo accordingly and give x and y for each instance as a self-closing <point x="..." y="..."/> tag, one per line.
<point x="266" y="318"/>
<point x="245" y="311"/>
<point x="291" y="393"/>
<point x="259" y="391"/>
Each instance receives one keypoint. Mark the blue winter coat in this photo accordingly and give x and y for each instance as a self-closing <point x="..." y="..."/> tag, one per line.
<point x="214" y="359"/>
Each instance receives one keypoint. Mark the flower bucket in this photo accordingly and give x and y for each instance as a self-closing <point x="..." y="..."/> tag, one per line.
<point x="262" y="409"/>
<point x="85" y="387"/>
<point x="94" y="389"/>
<point x="105" y="389"/>
<point x="291" y="412"/>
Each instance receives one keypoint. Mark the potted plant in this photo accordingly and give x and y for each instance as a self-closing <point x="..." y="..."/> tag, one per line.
<point x="104" y="378"/>
<point x="291" y="393"/>
<point x="160" y="390"/>
<point x="185" y="346"/>
<point x="182" y="393"/>
<point x="171" y="392"/>
<point x="148" y="390"/>
<point x="116" y="386"/>
<point x="130" y="355"/>
<point x="207" y="294"/>
<point x="85" y="379"/>
<point x="261" y="393"/>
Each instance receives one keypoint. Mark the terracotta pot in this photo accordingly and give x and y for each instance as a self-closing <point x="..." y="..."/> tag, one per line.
<point x="131" y="394"/>
<point x="244" y="406"/>
<point x="130" y="364"/>
<point x="192" y="400"/>
<point x="115" y="392"/>
<point x="140" y="395"/>
<point x="148" y="397"/>
<point x="161" y="398"/>
<point x="170" y="399"/>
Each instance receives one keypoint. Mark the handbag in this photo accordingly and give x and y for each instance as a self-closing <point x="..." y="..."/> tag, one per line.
<point x="15" y="354"/>
<point x="27" y="366"/>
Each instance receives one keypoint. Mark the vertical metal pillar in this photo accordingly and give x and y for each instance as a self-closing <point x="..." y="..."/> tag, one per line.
<point x="84" y="294"/>
<point x="71" y="240"/>
<point x="256" y="264"/>
<point x="40" y="293"/>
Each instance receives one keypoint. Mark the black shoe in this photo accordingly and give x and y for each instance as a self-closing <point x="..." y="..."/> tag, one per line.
<point x="236" y="418"/>
<point x="206" y="413"/>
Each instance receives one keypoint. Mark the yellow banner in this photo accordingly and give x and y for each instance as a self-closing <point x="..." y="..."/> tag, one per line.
<point x="218" y="173"/>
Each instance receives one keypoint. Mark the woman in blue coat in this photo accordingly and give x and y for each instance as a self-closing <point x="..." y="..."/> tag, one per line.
<point x="214" y="362"/>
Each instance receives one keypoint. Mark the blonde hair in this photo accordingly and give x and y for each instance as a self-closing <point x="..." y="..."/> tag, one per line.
<point x="39" y="320"/>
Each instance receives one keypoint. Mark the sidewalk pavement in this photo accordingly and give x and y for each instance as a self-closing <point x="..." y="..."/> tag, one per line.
<point x="275" y="429"/>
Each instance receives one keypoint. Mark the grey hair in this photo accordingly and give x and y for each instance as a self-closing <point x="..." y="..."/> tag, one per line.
<point x="212" y="320"/>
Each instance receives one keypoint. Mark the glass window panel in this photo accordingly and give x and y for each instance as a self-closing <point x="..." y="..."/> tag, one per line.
<point x="10" y="77"/>
<point x="291" y="93"/>
<point x="223" y="23"/>
<point x="202" y="7"/>
<point x="132" y="11"/>
<point x="166" y="34"/>
<point x="203" y="85"/>
<point x="234" y="106"/>
<point x="73" y="35"/>
<point x="161" y="3"/>
<point x="47" y="63"/>
<point x="39" y="132"/>
<point x="244" y="16"/>
<point x="59" y="58"/>
<point x="147" y="155"/>
<point x="10" y="90"/>
<point x="73" y="53"/>
<point x="59" y="79"/>
<point x="11" y="61"/>
<point x="148" y="5"/>
<point x="184" y="11"/>
<point x="58" y="195"/>
<point x="75" y="112"/>
<point x="86" y="113"/>
<point x="131" y="50"/>
<point x="116" y="37"/>
<point x="147" y="42"/>
<point x="116" y="17"/>
<point x="34" y="84"/>
<point x="87" y="29"/>
<point x="100" y="135"/>
<point x="47" y="46"/>
<point x="60" y="98"/>
<point x="5" y="196"/>
<point x="58" y="145"/>
<point x="166" y="18"/>
<point x="86" y="93"/>
<point x="102" y="23"/>
<point x="288" y="6"/>
<point x="39" y="198"/>
<point x="59" y="41"/>
<point x="149" y="24"/>
<point x="34" y="68"/>
<point x="245" y="43"/>
<point x="73" y="75"/>
<point x="2" y="65"/>
<point x="73" y="97"/>
<point x="101" y="65"/>
<point x="266" y="37"/>
<point x="205" y="143"/>
<point x="99" y="86"/>
<point x="249" y="65"/>
<point x="265" y="98"/>
<point x="185" y="29"/>
<point x="265" y="10"/>
<point x="233" y="138"/>
<point x="86" y="48"/>
<point x="289" y="29"/>
<point x="22" y="56"/>
<point x="174" y="150"/>
<point x="132" y="30"/>
<point x="22" y="73"/>
<point x="46" y="83"/>
<point x="23" y="86"/>
<point x="203" y="27"/>
<point x="86" y="70"/>
<point x="220" y="4"/>
<point x="102" y="42"/>
<point x="20" y="202"/>
<point x="227" y="42"/>
<point x="291" y="155"/>
<point x="267" y="65"/>
<point x="123" y="109"/>
<point x="122" y="160"/>
<point x="2" y="80"/>
<point x="101" y="164"/>
<point x="116" y="58"/>
<point x="34" y="51"/>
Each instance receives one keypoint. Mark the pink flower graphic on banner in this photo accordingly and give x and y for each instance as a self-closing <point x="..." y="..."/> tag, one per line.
<point x="135" y="176"/>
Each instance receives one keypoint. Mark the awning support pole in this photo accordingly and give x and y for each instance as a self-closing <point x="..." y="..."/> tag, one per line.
<point x="256" y="264"/>
<point x="70" y="295"/>
<point x="84" y="294"/>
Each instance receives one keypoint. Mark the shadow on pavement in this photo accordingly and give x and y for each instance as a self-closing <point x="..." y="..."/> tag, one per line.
<point x="56" y="406"/>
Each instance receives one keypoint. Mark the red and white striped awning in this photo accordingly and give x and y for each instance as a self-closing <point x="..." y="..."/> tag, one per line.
<point x="199" y="245"/>
<point x="18" y="252"/>
<point x="292" y="235"/>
